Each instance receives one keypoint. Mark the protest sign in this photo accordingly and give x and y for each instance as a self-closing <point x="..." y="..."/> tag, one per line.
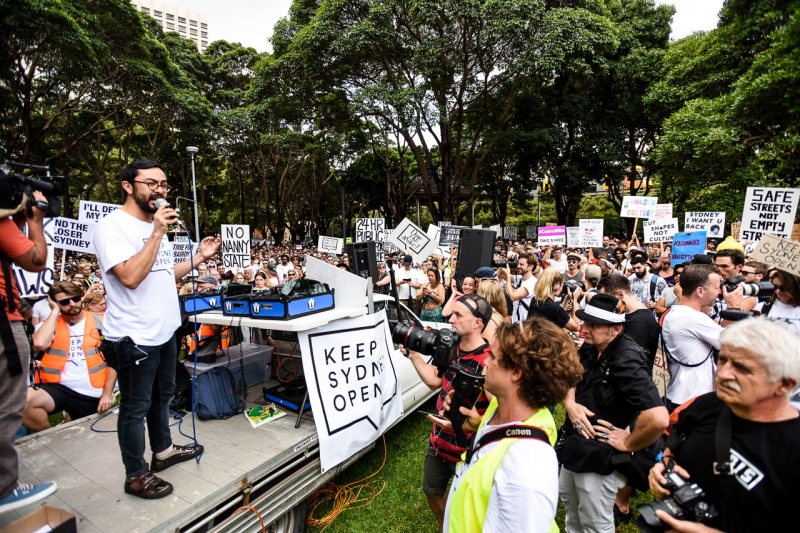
<point x="330" y="244"/>
<point x="479" y="226"/>
<point x="530" y="232"/>
<point x="496" y="229"/>
<point x="574" y="237"/>
<point x="36" y="284"/>
<point x="782" y="253"/>
<point x="235" y="245"/>
<point x="443" y="223"/>
<point x="687" y="245"/>
<point x="450" y="235"/>
<point x="768" y="210"/>
<point x="352" y="384"/>
<point x="638" y="207"/>
<point x="712" y="222"/>
<point x="510" y="232"/>
<point x="372" y="229"/>
<point x="433" y="233"/>
<point x="388" y="247"/>
<point x="660" y="230"/>
<point x="410" y="238"/>
<point x="591" y="232"/>
<point x="70" y="234"/>
<point x="552" y="235"/>
<point x="95" y="211"/>
<point x="663" y="211"/>
<point x="182" y="249"/>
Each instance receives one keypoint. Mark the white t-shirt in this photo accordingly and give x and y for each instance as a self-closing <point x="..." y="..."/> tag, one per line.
<point x="787" y="313"/>
<point x="283" y="271"/>
<point x="412" y="276"/>
<point x="41" y="310"/>
<point x="520" y="313"/>
<point x="524" y="494"/>
<point x="150" y="313"/>
<point x="75" y="374"/>
<point x="689" y="336"/>
<point x="561" y="266"/>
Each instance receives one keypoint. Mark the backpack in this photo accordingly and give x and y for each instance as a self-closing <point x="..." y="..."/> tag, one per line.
<point x="215" y="395"/>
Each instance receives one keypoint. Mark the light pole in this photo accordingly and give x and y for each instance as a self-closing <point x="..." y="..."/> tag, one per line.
<point x="342" y="174"/>
<point x="192" y="151"/>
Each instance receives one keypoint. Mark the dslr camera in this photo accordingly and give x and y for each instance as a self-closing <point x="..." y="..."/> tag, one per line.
<point x="442" y="346"/>
<point x="500" y="263"/>
<point x="15" y="187"/>
<point x="687" y="502"/>
<point x="762" y="288"/>
<point x="570" y="286"/>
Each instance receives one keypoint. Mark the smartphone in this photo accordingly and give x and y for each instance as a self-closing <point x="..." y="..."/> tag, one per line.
<point x="434" y="415"/>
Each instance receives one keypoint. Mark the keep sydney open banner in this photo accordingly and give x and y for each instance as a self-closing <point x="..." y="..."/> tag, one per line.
<point x="352" y="384"/>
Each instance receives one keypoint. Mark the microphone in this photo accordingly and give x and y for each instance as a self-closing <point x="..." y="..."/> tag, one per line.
<point x="160" y="202"/>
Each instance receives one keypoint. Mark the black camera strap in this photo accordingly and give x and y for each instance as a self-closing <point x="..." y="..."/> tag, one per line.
<point x="6" y="333"/>
<point x="722" y="443"/>
<point x="517" y="431"/>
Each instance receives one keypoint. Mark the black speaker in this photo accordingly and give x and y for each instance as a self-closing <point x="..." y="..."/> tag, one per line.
<point x="363" y="260"/>
<point x="475" y="250"/>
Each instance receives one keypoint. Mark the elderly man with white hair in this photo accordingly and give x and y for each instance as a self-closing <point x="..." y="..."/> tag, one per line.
<point x="741" y="443"/>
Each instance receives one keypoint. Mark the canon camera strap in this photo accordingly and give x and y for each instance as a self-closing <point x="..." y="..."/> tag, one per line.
<point x="508" y="432"/>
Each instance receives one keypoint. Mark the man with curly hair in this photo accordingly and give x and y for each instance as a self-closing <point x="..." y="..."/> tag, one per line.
<point x="510" y="474"/>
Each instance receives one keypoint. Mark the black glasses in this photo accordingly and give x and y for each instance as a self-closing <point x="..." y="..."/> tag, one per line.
<point x="154" y="185"/>
<point x="292" y="273"/>
<point x="747" y="272"/>
<point x="778" y="287"/>
<point x="74" y="299"/>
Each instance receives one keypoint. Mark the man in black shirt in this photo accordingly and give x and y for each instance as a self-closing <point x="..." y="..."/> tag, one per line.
<point x="616" y="390"/>
<point x="759" y="367"/>
<point x="639" y="322"/>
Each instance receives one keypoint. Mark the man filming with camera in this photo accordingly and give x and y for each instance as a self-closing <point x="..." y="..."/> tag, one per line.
<point x="471" y="314"/>
<point x="741" y="443"/>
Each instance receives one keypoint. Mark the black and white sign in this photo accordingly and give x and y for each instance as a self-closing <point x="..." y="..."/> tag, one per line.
<point x="443" y="223"/>
<point x="660" y="230"/>
<point x="235" y="245"/>
<point x="768" y="210"/>
<point x="410" y="238"/>
<point x="712" y="222"/>
<point x="510" y="232"/>
<point x="450" y="235"/>
<point x="36" y="284"/>
<point x="95" y="211"/>
<point x="530" y="232"/>
<point x="182" y="249"/>
<point x="331" y="245"/>
<point x="591" y="232"/>
<point x="70" y="234"/>
<point x="574" y="237"/>
<point x="372" y="229"/>
<point x="352" y="384"/>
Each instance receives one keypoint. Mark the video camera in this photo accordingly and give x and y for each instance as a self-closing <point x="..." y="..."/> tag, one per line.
<point x="500" y="263"/>
<point x="687" y="502"/>
<point x="570" y="285"/>
<point x="14" y="187"/>
<point x="762" y="288"/>
<point x="442" y="346"/>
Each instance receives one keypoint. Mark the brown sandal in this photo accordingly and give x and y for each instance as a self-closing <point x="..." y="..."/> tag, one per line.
<point x="148" y="486"/>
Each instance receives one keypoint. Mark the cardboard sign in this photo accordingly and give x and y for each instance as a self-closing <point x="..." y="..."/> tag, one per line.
<point x="70" y="234"/>
<point x="638" y="207"/>
<point x="574" y="237"/>
<point x="510" y="232"/>
<point x="450" y="235"/>
<point x="36" y="284"/>
<point x="182" y="249"/>
<point x="388" y="247"/>
<point x="782" y="253"/>
<point x="410" y="238"/>
<point x="372" y="229"/>
<point x="530" y="232"/>
<point x="330" y="244"/>
<point x="95" y="211"/>
<point x="712" y="222"/>
<point x="443" y="223"/>
<point x="552" y="235"/>
<point x="235" y="245"/>
<point x="591" y="232"/>
<point x="687" y="245"/>
<point x="352" y="384"/>
<point x="768" y="210"/>
<point x="660" y="230"/>
<point x="663" y="211"/>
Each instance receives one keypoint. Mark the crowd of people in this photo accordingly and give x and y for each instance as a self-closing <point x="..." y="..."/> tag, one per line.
<point x="546" y="325"/>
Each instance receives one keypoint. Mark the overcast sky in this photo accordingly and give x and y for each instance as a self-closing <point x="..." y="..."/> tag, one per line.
<point x="250" y="22"/>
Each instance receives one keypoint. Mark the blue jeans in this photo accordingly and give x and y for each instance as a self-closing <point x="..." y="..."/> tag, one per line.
<point x="146" y="377"/>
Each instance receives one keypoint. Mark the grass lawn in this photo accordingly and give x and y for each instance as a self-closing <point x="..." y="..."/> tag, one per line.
<point x="402" y="506"/>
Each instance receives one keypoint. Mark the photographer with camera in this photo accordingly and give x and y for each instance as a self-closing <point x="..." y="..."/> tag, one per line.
<point x="740" y="445"/>
<point x="550" y="286"/>
<point x="510" y="475"/>
<point x="616" y="390"/>
<point x="520" y="296"/>
<point x="141" y="320"/>
<point x="29" y="253"/>
<point x="471" y="314"/>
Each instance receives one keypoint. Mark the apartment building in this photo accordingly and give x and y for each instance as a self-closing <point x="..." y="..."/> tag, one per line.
<point x="189" y="24"/>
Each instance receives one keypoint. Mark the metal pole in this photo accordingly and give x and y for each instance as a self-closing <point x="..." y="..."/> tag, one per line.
<point x="192" y="151"/>
<point x="344" y="218"/>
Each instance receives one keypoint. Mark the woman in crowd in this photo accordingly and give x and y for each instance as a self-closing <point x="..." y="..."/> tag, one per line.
<point x="239" y="278"/>
<point x="383" y="285"/>
<point x="432" y="296"/>
<point x="491" y="290"/>
<point x="94" y="302"/>
<point x="543" y="304"/>
<point x="671" y="295"/>
<point x="623" y="265"/>
<point x="785" y="302"/>
<point x="467" y="287"/>
<point x="261" y="281"/>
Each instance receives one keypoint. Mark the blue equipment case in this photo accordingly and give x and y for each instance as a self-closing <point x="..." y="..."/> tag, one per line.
<point x="191" y="303"/>
<point x="237" y="305"/>
<point x="276" y="306"/>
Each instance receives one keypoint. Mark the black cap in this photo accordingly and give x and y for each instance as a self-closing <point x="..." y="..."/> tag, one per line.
<point x="702" y="259"/>
<point x="603" y="309"/>
<point x="478" y="306"/>
<point x="407" y="260"/>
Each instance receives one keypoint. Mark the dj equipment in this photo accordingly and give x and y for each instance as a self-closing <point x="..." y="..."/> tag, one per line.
<point x="475" y="250"/>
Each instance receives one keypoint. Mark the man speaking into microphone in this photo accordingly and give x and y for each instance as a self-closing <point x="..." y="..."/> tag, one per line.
<point x="143" y="313"/>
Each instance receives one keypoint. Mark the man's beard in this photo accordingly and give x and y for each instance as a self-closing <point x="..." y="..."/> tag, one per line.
<point x="144" y="203"/>
<point x="640" y="275"/>
<point x="71" y="311"/>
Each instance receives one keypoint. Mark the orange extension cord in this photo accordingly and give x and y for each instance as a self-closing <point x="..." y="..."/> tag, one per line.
<point x="344" y="497"/>
<point x="249" y="508"/>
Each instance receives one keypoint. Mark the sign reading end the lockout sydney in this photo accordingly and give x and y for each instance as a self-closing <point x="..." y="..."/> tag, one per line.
<point x="352" y="384"/>
<point x="235" y="245"/>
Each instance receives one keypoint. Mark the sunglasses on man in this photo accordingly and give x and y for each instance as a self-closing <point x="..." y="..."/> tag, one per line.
<point x="65" y="302"/>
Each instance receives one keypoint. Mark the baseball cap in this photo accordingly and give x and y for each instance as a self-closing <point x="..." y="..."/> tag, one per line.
<point x="208" y="278"/>
<point x="603" y="309"/>
<point x="593" y="272"/>
<point x="484" y="273"/>
<point x="407" y="260"/>
<point x="478" y="306"/>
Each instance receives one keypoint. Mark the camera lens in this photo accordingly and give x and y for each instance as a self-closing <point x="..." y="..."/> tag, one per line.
<point x="414" y="338"/>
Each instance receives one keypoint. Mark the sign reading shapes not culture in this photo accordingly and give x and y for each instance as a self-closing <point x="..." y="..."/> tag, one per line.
<point x="660" y="230"/>
<point x="768" y="210"/>
<point x="352" y="384"/>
